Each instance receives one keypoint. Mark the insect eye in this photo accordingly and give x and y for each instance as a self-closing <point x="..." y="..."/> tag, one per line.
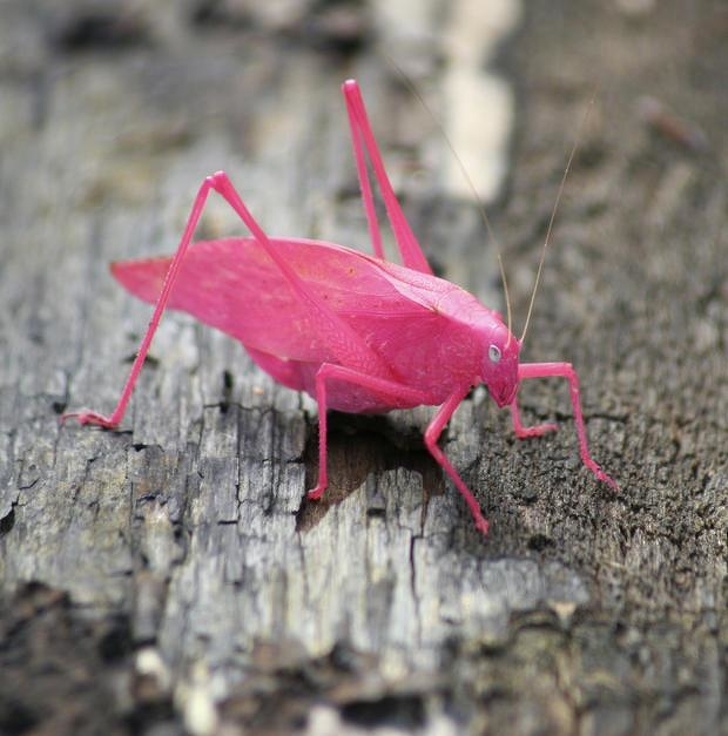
<point x="494" y="353"/>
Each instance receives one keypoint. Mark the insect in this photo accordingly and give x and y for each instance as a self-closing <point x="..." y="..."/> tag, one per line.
<point x="356" y="331"/>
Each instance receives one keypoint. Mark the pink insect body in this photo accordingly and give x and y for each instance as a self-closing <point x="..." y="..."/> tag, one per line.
<point x="357" y="332"/>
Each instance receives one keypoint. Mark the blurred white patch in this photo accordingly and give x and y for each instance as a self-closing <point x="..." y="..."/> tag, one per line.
<point x="479" y="104"/>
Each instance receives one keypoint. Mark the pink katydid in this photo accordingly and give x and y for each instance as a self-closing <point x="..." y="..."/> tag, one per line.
<point x="357" y="332"/>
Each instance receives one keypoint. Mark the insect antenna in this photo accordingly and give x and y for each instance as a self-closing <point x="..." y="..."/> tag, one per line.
<point x="506" y="294"/>
<point x="552" y="219"/>
<point x="466" y="176"/>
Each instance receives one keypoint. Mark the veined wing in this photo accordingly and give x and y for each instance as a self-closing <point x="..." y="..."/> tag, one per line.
<point x="232" y="284"/>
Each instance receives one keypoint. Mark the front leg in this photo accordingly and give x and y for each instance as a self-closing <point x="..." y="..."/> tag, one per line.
<point x="561" y="370"/>
<point x="441" y="418"/>
<point x="523" y="432"/>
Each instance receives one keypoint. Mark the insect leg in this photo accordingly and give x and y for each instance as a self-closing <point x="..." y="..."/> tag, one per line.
<point x="523" y="432"/>
<point x="562" y="370"/>
<point x="400" y="393"/>
<point x="86" y="416"/>
<point x="363" y="140"/>
<point x="441" y="418"/>
<point x="405" y="395"/>
<point x="345" y="343"/>
<point x="375" y="234"/>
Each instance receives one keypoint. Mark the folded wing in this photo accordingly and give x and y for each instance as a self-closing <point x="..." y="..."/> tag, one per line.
<point x="231" y="284"/>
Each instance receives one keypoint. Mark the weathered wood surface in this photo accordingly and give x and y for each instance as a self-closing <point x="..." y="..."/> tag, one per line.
<point x="170" y="576"/>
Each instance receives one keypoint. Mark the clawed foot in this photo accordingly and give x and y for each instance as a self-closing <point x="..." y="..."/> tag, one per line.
<point x="537" y="431"/>
<point x="316" y="493"/>
<point x="84" y="416"/>
<point x="481" y="524"/>
<point x="602" y="476"/>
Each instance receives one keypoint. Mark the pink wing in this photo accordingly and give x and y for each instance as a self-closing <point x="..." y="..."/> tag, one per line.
<point x="232" y="285"/>
<point x="419" y="326"/>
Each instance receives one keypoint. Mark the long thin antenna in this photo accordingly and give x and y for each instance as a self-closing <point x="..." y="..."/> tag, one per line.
<point x="507" y="297"/>
<point x="466" y="176"/>
<point x="549" y="229"/>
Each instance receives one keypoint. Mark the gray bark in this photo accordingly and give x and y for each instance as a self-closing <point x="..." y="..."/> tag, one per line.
<point x="170" y="576"/>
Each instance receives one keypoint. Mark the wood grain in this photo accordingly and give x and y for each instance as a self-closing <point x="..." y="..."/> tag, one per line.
<point x="172" y="570"/>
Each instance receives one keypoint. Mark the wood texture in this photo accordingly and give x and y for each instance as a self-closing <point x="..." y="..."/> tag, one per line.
<point x="169" y="577"/>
